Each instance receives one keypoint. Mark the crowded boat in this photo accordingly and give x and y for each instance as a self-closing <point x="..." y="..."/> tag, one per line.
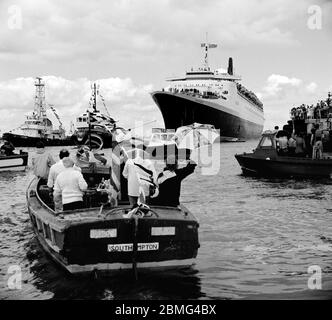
<point x="93" y="214"/>
<point x="303" y="147"/>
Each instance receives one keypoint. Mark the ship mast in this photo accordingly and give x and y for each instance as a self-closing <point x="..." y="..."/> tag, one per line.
<point x="207" y="46"/>
<point x="94" y="95"/>
<point x="40" y="104"/>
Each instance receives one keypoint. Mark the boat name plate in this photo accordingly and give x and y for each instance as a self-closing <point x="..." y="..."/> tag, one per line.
<point x="126" y="247"/>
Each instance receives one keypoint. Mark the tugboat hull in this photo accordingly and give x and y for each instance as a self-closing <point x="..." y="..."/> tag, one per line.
<point x="25" y="141"/>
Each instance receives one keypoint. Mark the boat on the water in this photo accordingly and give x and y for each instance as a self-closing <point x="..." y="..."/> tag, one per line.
<point x="37" y="126"/>
<point x="162" y="143"/>
<point x="312" y="125"/>
<point x="106" y="238"/>
<point x="14" y="162"/>
<point x="95" y="128"/>
<point x="265" y="161"/>
<point x="214" y="97"/>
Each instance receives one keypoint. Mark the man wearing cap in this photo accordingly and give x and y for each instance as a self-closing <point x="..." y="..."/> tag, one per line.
<point x="7" y="148"/>
<point x="58" y="167"/>
<point x="70" y="185"/>
<point x="42" y="162"/>
<point x="169" y="182"/>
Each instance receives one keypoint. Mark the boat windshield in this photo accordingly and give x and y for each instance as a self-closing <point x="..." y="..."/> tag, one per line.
<point x="266" y="142"/>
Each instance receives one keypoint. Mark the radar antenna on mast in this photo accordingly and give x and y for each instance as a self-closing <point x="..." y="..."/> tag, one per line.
<point x="207" y="46"/>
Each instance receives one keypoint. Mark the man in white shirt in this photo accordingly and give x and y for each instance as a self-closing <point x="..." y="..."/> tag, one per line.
<point x="58" y="167"/>
<point x="70" y="185"/>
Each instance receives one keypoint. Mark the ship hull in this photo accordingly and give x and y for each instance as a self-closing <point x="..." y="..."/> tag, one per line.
<point x="25" y="141"/>
<point x="180" y="110"/>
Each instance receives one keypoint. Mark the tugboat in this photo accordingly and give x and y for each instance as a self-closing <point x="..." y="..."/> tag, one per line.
<point x="308" y="121"/>
<point x="94" y="128"/>
<point x="217" y="98"/>
<point x="103" y="237"/>
<point x="37" y="126"/>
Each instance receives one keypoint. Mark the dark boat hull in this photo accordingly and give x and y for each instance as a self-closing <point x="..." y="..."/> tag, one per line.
<point x="15" y="162"/>
<point x="179" y="110"/>
<point x="25" y="141"/>
<point x="285" y="166"/>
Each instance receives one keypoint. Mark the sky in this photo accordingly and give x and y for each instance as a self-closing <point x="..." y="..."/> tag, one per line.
<point x="282" y="50"/>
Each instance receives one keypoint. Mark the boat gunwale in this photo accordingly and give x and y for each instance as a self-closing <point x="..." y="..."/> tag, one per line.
<point x="60" y="223"/>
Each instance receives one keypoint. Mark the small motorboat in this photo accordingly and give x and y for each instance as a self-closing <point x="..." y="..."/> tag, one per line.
<point x="162" y="143"/>
<point x="265" y="161"/>
<point x="106" y="238"/>
<point x="14" y="162"/>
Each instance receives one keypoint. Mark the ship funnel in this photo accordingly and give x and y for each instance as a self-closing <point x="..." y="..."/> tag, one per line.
<point x="230" y="66"/>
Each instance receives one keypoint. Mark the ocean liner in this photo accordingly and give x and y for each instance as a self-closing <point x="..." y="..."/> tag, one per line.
<point x="37" y="126"/>
<point x="211" y="97"/>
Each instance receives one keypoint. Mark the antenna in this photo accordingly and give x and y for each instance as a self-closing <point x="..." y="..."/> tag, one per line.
<point x="207" y="46"/>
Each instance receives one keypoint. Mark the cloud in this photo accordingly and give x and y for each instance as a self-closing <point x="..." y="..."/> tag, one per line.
<point x="126" y="101"/>
<point x="277" y="84"/>
<point x="312" y="87"/>
<point x="97" y="30"/>
<point x="282" y="92"/>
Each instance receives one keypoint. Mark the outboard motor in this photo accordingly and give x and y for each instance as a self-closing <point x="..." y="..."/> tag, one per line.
<point x="230" y="66"/>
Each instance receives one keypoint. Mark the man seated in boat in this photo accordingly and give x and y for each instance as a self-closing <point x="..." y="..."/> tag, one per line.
<point x="169" y="182"/>
<point x="58" y="168"/>
<point x="7" y="148"/>
<point x="85" y="156"/>
<point x="69" y="186"/>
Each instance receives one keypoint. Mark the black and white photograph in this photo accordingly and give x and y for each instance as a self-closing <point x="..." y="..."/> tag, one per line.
<point x="169" y="150"/>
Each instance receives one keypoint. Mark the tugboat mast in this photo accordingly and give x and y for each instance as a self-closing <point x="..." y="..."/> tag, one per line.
<point x="40" y="104"/>
<point x="94" y="94"/>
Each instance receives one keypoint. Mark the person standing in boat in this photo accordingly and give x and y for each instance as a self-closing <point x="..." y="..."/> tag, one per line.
<point x="300" y="150"/>
<point x="291" y="145"/>
<point x="42" y="162"/>
<point x="141" y="176"/>
<point x="282" y="142"/>
<point x="7" y="148"/>
<point x="169" y="182"/>
<point x="58" y="168"/>
<point x="69" y="186"/>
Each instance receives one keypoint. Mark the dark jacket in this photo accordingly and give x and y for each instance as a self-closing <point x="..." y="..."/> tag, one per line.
<point x="170" y="189"/>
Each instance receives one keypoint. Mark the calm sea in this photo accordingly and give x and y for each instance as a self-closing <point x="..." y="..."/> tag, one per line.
<point x="258" y="238"/>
